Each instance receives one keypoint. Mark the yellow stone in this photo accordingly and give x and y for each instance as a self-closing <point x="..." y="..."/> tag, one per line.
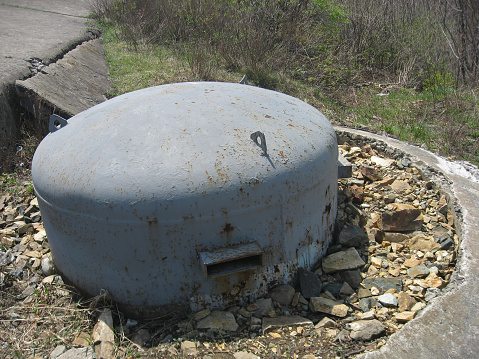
<point x="377" y="262"/>
<point x="33" y="254"/>
<point x="82" y="339"/>
<point x="433" y="281"/>
<point x="405" y="316"/>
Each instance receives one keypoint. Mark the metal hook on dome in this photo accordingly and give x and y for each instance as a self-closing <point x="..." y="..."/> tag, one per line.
<point x="254" y="136"/>
<point x="56" y="123"/>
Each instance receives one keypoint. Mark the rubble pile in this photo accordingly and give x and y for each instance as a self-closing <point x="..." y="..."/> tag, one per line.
<point x="393" y="253"/>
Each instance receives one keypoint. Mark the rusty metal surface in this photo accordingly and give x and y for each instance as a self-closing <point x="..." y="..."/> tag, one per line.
<point x="133" y="189"/>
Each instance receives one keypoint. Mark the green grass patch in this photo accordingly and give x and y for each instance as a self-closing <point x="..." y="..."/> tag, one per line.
<point x="449" y="125"/>
<point x="133" y="67"/>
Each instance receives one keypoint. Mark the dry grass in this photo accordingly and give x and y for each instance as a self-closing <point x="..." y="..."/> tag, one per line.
<point x="37" y="324"/>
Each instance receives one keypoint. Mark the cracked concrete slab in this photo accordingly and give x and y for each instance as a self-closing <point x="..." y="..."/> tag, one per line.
<point x="33" y="32"/>
<point x="73" y="84"/>
<point x="40" y="29"/>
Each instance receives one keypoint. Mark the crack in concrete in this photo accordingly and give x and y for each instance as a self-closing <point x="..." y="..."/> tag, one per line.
<point x="43" y="10"/>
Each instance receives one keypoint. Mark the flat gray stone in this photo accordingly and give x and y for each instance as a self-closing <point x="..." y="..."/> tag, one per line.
<point x="59" y="350"/>
<point x="245" y="355"/>
<point x="285" y="321"/>
<point x="352" y="236"/>
<point x="367" y="303"/>
<point x="264" y="307"/>
<point x="352" y="277"/>
<point x="6" y="258"/>
<point x="420" y="271"/>
<point x="282" y="294"/>
<point x="310" y="283"/>
<point x="346" y="289"/>
<point x="383" y="284"/>
<point x="383" y="162"/>
<point x="328" y="306"/>
<point x="219" y="320"/>
<point x="343" y="260"/>
<point x="388" y="300"/>
<point x="47" y="266"/>
<point x="78" y="353"/>
<point x="366" y="329"/>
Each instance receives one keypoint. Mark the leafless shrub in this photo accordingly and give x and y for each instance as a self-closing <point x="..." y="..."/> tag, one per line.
<point x="325" y="42"/>
<point x="400" y="36"/>
<point x="460" y="26"/>
<point x="257" y="36"/>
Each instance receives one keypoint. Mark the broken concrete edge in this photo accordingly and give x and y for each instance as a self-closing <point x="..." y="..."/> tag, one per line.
<point x="459" y="181"/>
<point x="53" y="55"/>
<point x="76" y="82"/>
<point x="9" y="131"/>
<point x="50" y="55"/>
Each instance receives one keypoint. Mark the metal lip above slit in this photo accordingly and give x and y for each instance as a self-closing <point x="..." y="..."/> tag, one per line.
<point x="230" y="259"/>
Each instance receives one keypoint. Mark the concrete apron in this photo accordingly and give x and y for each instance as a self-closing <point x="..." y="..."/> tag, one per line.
<point x="449" y="326"/>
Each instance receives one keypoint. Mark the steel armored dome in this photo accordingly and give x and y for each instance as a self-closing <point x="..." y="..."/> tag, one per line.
<point x="192" y="193"/>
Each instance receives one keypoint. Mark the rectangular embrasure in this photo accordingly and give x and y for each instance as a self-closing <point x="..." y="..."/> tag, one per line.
<point x="234" y="258"/>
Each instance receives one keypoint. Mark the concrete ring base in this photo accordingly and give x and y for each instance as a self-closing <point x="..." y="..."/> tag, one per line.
<point x="449" y="326"/>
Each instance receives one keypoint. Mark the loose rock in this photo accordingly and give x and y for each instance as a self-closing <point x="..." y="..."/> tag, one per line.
<point x="141" y="337"/>
<point x="405" y="301"/>
<point x="388" y="300"/>
<point x="405" y="316"/>
<point x="370" y="173"/>
<point x="245" y="355"/>
<point x="47" y="266"/>
<point x="404" y="218"/>
<point x="79" y="353"/>
<point x="394" y="237"/>
<point x="383" y="284"/>
<point x="352" y="236"/>
<point x="344" y="260"/>
<point x="285" y="321"/>
<point x="103" y="335"/>
<point x="324" y="305"/>
<point x="282" y="294"/>
<point x="366" y="329"/>
<point x="59" y="350"/>
<point x="352" y="277"/>
<point x="420" y="271"/>
<point x="310" y="283"/>
<point x="423" y="243"/>
<point x="219" y="320"/>
<point x="188" y="348"/>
